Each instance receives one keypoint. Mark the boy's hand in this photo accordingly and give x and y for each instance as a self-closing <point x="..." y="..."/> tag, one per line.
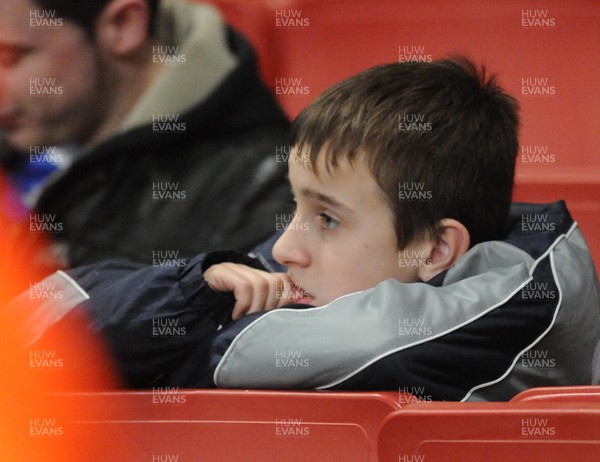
<point x="254" y="290"/>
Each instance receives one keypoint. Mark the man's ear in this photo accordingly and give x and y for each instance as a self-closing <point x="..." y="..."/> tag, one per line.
<point x="452" y="243"/>
<point x="122" y="27"/>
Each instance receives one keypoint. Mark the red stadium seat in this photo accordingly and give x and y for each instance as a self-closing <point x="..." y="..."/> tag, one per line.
<point x="252" y="18"/>
<point x="528" y="431"/>
<point x="227" y="425"/>
<point x="579" y="394"/>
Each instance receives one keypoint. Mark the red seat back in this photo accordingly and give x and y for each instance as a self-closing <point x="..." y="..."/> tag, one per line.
<point x="228" y="425"/>
<point x="492" y="432"/>
<point x="578" y="394"/>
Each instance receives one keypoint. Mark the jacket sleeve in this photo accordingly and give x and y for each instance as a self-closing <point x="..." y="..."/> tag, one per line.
<point x="394" y="336"/>
<point x="152" y="318"/>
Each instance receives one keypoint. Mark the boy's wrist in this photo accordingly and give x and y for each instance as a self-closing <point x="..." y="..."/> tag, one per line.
<point x="200" y="297"/>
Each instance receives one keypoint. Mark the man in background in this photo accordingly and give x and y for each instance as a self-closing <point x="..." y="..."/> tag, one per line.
<point x="138" y="131"/>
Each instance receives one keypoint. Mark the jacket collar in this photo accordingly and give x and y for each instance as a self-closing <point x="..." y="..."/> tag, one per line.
<point x="194" y="39"/>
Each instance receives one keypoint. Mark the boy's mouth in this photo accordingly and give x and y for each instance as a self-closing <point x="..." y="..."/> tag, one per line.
<point x="300" y="295"/>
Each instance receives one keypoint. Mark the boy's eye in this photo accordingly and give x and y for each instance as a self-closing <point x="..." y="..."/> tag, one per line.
<point x="328" y="221"/>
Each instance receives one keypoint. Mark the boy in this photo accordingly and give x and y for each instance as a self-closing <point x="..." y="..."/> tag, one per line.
<point x="344" y="146"/>
<point x="401" y="174"/>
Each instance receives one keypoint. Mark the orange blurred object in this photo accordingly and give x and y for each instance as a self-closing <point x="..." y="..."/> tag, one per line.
<point x="70" y="357"/>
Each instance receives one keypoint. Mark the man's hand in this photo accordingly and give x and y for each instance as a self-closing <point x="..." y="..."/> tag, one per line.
<point x="254" y="290"/>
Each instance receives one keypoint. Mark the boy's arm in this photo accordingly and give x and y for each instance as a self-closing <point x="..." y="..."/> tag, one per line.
<point x="395" y="336"/>
<point x="152" y="318"/>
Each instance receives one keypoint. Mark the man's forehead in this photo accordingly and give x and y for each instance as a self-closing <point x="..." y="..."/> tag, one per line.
<point x="19" y="21"/>
<point x="17" y="11"/>
<point x="14" y="20"/>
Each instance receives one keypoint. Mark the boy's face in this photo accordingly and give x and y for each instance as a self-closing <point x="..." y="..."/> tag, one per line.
<point x="342" y="237"/>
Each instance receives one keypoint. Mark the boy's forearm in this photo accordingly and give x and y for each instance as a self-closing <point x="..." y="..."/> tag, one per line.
<point x="150" y="317"/>
<point x="155" y="319"/>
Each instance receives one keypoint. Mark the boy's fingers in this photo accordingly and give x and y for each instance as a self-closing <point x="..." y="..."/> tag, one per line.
<point x="221" y="277"/>
<point x="251" y="291"/>
<point x="236" y="279"/>
<point x="238" y="311"/>
<point x="285" y="296"/>
<point x="254" y="290"/>
<point x="260" y="293"/>
<point x="275" y="293"/>
<point x="242" y="291"/>
<point x="269" y="288"/>
<point x="269" y="291"/>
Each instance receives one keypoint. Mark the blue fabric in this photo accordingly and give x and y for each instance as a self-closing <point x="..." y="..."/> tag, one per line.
<point x="29" y="175"/>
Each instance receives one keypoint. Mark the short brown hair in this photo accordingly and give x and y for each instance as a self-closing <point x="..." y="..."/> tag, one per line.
<point x="84" y="13"/>
<point x="457" y="147"/>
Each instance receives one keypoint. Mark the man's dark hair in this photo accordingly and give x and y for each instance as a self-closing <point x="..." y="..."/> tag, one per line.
<point x="84" y="13"/>
<point x="439" y="138"/>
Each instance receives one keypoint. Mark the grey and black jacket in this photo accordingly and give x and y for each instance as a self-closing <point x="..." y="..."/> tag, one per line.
<point x="509" y="315"/>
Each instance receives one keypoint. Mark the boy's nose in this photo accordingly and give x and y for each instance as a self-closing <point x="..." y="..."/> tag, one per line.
<point x="290" y="249"/>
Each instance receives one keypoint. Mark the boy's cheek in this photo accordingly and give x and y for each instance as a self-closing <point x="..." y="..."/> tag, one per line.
<point x="410" y="264"/>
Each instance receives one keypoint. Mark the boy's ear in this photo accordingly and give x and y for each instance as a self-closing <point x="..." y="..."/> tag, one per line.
<point x="122" y="27"/>
<point x="452" y="243"/>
